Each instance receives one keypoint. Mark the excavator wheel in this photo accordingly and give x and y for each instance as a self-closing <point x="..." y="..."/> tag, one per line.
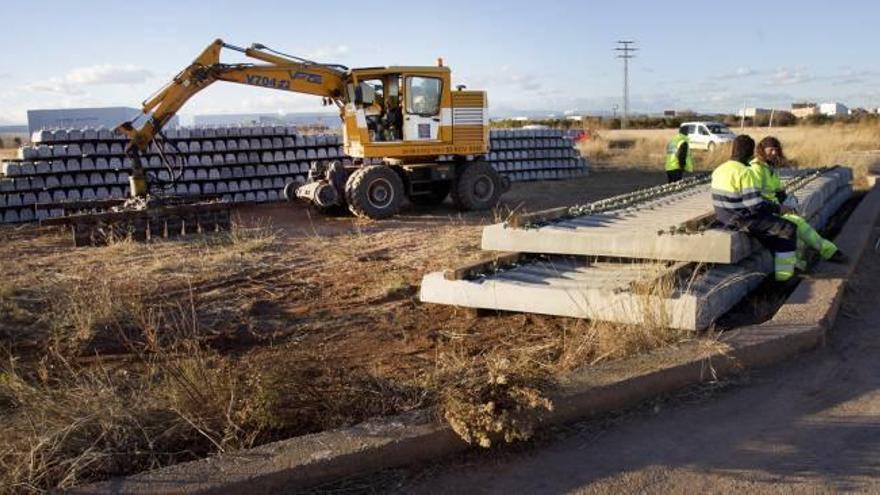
<point x="438" y="193"/>
<point x="375" y="191"/>
<point x="477" y="187"/>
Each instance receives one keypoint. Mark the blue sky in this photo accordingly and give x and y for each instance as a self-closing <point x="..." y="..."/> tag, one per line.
<point x="530" y="55"/>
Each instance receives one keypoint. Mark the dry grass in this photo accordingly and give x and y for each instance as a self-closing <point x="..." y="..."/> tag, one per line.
<point x="128" y="357"/>
<point x="854" y="145"/>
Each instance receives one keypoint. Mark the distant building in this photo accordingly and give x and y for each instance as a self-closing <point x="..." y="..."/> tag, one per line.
<point x="752" y="112"/>
<point x="62" y="118"/>
<point x="805" y="112"/>
<point x="833" y="109"/>
<point x="576" y="118"/>
<point x="669" y="113"/>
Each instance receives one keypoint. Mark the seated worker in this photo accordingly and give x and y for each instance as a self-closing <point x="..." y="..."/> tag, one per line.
<point x="678" y="157"/>
<point x="738" y="203"/>
<point x="769" y="158"/>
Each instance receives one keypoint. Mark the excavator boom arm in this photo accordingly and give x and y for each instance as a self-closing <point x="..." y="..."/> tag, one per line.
<point x="279" y="72"/>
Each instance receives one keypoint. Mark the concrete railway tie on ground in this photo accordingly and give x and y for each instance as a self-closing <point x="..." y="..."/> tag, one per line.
<point x="238" y="164"/>
<point x="683" y="280"/>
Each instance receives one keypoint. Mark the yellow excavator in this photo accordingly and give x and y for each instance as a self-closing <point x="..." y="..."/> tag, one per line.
<point x="408" y="132"/>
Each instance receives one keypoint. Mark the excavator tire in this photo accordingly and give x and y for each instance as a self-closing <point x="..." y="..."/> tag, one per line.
<point x="439" y="191"/>
<point x="477" y="187"/>
<point x="375" y="191"/>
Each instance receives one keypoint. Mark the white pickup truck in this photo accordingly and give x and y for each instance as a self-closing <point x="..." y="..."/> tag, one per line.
<point x="707" y="135"/>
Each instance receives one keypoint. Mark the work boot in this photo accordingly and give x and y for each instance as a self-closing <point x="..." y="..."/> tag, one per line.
<point x="838" y="257"/>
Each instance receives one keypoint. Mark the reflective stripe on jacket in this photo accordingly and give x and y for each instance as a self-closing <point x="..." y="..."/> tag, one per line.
<point x="672" y="154"/>
<point x="736" y="193"/>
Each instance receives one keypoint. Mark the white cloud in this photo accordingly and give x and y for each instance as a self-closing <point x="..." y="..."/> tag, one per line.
<point x="789" y="76"/>
<point x="73" y="82"/>
<point x="326" y="54"/>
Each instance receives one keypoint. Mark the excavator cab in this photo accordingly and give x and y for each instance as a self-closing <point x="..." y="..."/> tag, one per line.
<point x="411" y="113"/>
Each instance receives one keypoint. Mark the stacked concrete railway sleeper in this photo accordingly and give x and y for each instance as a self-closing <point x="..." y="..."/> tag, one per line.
<point x="617" y="269"/>
<point x="62" y="169"/>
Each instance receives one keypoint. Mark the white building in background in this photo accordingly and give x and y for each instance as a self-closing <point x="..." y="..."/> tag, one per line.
<point x="63" y="118"/>
<point x="752" y="112"/>
<point x="833" y="109"/>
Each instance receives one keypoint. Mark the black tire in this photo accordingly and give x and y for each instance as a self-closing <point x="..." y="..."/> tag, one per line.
<point x="374" y="192"/>
<point x="477" y="187"/>
<point x="439" y="191"/>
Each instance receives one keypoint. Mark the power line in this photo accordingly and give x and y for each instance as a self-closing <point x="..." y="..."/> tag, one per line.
<point x="626" y="53"/>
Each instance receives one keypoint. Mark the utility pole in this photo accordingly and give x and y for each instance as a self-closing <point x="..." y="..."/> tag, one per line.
<point x="626" y="53"/>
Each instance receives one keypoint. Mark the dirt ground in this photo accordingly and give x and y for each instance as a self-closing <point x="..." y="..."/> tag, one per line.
<point x="323" y="310"/>
<point x="807" y="426"/>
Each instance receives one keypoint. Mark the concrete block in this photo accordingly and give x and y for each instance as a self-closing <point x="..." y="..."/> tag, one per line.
<point x="266" y="183"/>
<point x="116" y="192"/>
<point x="13" y="199"/>
<point x="194" y="190"/>
<point x="266" y="143"/>
<point x="277" y="143"/>
<point x="278" y="156"/>
<point x="60" y="135"/>
<point x="81" y="180"/>
<point x="301" y="154"/>
<point x="208" y="147"/>
<point x="253" y="157"/>
<point x="73" y="195"/>
<point x="261" y="196"/>
<point x="89" y="134"/>
<point x="273" y="196"/>
<point x="116" y="148"/>
<point x="22" y="183"/>
<point x="232" y="186"/>
<point x="88" y="194"/>
<point x="250" y="196"/>
<point x="102" y="193"/>
<point x="104" y="134"/>
<point x="59" y="195"/>
<point x="202" y="174"/>
<point x="51" y="182"/>
<point x="26" y="215"/>
<point x="195" y="147"/>
<point x="214" y="174"/>
<point x="43" y="197"/>
<point x="222" y="188"/>
<point x="244" y="144"/>
<point x="232" y="145"/>
<point x="283" y="169"/>
<point x="114" y="163"/>
<point x="267" y="157"/>
<point x="37" y="183"/>
<point x="42" y="136"/>
<point x="28" y="153"/>
<point x="189" y="174"/>
<point x="230" y="159"/>
<point x="181" y="189"/>
<point x="102" y="149"/>
<point x="255" y="143"/>
<point x="196" y="133"/>
<point x="10" y="216"/>
<point x="11" y="169"/>
<point x="206" y="161"/>
<point x="208" y="188"/>
<point x="28" y="199"/>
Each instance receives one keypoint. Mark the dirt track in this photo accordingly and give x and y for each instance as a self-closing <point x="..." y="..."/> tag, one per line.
<point x="811" y="425"/>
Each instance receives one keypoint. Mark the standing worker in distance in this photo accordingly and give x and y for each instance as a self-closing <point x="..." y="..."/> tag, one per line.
<point x="738" y="203"/>
<point x="769" y="158"/>
<point x="678" y="157"/>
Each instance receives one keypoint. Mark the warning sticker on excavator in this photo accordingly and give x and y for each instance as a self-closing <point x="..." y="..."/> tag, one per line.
<point x="424" y="131"/>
